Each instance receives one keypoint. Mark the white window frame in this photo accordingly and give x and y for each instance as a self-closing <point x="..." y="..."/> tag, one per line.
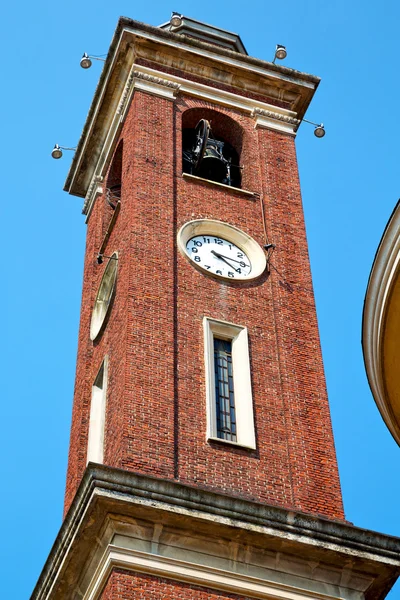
<point x="95" y="450"/>
<point x="237" y="335"/>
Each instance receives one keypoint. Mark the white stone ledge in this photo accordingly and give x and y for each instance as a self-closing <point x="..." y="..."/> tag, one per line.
<point x="364" y="560"/>
<point x="230" y="188"/>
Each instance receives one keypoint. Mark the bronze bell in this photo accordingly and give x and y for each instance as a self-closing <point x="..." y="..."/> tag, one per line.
<point x="213" y="165"/>
<point x="209" y="161"/>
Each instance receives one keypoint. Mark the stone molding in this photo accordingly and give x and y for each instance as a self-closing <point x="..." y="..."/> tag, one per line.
<point x="195" y="574"/>
<point x="230" y="188"/>
<point x="220" y="97"/>
<point x="220" y="55"/>
<point x="153" y="84"/>
<point x="358" y="559"/>
<point x="95" y="190"/>
<point x="270" y="119"/>
<point x="276" y="115"/>
<point x="126" y="94"/>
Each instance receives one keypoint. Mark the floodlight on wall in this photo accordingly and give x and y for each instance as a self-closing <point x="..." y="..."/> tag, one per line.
<point x="57" y="151"/>
<point x="319" y="130"/>
<point x="280" y="53"/>
<point x="86" y="60"/>
<point x="176" y="19"/>
<point x="100" y="258"/>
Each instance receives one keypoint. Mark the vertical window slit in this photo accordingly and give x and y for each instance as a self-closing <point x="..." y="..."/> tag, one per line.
<point x="97" y="416"/>
<point x="224" y="390"/>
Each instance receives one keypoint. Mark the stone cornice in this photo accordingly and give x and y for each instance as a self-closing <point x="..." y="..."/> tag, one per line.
<point x="273" y="114"/>
<point x="156" y="85"/>
<point x="95" y="190"/>
<point x="157" y="80"/>
<point x="217" y="96"/>
<point x="125" y="96"/>
<point x="122" y="75"/>
<point x="270" y="119"/>
<point x="105" y="492"/>
<point x="197" y="574"/>
<point x="202" y="47"/>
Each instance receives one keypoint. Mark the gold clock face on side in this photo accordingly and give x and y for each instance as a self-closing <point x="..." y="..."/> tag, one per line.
<point x="221" y="250"/>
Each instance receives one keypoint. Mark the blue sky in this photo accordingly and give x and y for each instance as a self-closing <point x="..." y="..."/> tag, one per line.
<point x="349" y="183"/>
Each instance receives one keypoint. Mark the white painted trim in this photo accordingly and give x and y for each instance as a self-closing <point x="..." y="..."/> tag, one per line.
<point x="229" y="188"/>
<point x="161" y="566"/>
<point x="95" y="449"/>
<point x="157" y="86"/>
<point x="271" y="123"/>
<point x="385" y="270"/>
<point x="156" y="90"/>
<point x="241" y="380"/>
<point x="95" y="190"/>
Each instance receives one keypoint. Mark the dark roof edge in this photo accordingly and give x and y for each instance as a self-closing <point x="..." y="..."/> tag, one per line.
<point x="126" y="22"/>
<point x="204" y="24"/>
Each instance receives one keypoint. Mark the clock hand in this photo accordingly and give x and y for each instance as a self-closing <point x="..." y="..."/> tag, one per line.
<point x="222" y="258"/>
<point x="241" y="262"/>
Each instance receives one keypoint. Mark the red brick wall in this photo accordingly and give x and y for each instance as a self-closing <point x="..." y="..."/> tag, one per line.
<point x="124" y="585"/>
<point x="156" y="411"/>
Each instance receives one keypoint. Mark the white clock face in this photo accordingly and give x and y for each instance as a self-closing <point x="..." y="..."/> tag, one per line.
<point x="221" y="250"/>
<point x="219" y="256"/>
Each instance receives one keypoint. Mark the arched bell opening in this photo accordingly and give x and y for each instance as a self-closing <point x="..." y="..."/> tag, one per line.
<point x="211" y="146"/>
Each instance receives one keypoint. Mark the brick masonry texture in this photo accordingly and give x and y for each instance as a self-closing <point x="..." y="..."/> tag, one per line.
<point x="156" y="408"/>
<point x="124" y="585"/>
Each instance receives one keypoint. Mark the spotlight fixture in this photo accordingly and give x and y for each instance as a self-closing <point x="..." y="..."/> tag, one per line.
<point x="319" y="130"/>
<point x="280" y="53"/>
<point x="57" y="151"/>
<point x="100" y="258"/>
<point x="86" y="60"/>
<point x="176" y="19"/>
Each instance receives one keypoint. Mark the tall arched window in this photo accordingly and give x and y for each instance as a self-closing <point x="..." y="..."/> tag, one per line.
<point x="211" y="146"/>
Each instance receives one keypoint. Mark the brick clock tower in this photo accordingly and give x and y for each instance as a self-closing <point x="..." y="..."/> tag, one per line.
<point x="201" y="463"/>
